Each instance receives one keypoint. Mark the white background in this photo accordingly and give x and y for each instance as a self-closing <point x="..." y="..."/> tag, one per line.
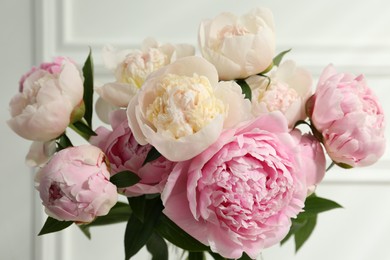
<point x="353" y="36"/>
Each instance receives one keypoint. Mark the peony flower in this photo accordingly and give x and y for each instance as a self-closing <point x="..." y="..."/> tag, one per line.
<point x="132" y="67"/>
<point x="75" y="186"/>
<point x="350" y="118"/>
<point x="182" y="109"/>
<point x="241" y="192"/>
<point x="43" y="108"/>
<point x="239" y="46"/>
<point x="287" y="90"/>
<point x="40" y="153"/>
<point x="124" y="153"/>
<point x="312" y="158"/>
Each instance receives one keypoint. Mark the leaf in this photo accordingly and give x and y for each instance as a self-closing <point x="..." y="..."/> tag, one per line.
<point x="245" y="257"/>
<point x="82" y="129"/>
<point x="63" y="142"/>
<point x="303" y="233"/>
<point x="53" y="225"/>
<point x="157" y="247"/>
<point x="124" y="179"/>
<point x="246" y="90"/>
<point x="315" y="205"/>
<point x="216" y="256"/>
<point x="85" y="230"/>
<point x="195" y="255"/>
<point x="152" y="155"/>
<point x="278" y="59"/>
<point x="303" y="226"/>
<point x="88" y="88"/>
<point x="137" y="205"/>
<point x="120" y="212"/>
<point x="138" y="233"/>
<point x="177" y="236"/>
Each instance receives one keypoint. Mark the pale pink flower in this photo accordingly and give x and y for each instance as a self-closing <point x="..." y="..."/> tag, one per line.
<point x="125" y="154"/>
<point x="40" y="153"/>
<point x="132" y="67"/>
<point x="75" y="186"/>
<point x="350" y="118"/>
<point x="287" y="90"/>
<point x="43" y="108"/>
<point x="238" y="46"/>
<point x="240" y="194"/>
<point x="182" y="108"/>
<point x="311" y="156"/>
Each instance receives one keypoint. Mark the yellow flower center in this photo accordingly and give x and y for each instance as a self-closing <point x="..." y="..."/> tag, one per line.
<point x="183" y="105"/>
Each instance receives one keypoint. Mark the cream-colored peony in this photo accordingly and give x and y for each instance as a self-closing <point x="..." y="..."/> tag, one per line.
<point x="286" y="90"/>
<point x="239" y="46"/>
<point x="132" y="67"/>
<point x="182" y="108"/>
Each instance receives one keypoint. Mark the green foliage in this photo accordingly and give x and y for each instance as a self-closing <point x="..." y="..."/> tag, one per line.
<point x="124" y="179"/>
<point x="278" y="59"/>
<point x="195" y="255"/>
<point x="53" y="225"/>
<point x="177" y="236"/>
<point x="246" y="90"/>
<point x="88" y="88"/>
<point x="63" y="142"/>
<point x="82" y="129"/>
<point x="138" y="233"/>
<point x="137" y="205"/>
<point x="119" y="213"/>
<point x="157" y="247"/>
<point x="152" y="155"/>
<point x="302" y="227"/>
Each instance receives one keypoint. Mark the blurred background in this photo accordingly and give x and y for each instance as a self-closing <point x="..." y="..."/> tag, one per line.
<point x="354" y="36"/>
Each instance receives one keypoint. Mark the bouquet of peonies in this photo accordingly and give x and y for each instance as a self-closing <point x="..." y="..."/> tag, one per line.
<point x="218" y="153"/>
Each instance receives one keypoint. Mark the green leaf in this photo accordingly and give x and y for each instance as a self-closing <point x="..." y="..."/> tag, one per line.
<point x="88" y="88"/>
<point x="53" y="225"/>
<point x="304" y="232"/>
<point x="177" y="236"/>
<point x="216" y="256"/>
<point x="82" y="129"/>
<point x="245" y="257"/>
<point x="246" y="90"/>
<point x="152" y="155"/>
<point x="85" y="230"/>
<point x="137" y="205"/>
<point x="124" y="179"/>
<point x="315" y="205"/>
<point x="195" y="255"/>
<point x="120" y="212"/>
<point x="138" y="233"/>
<point x="344" y="165"/>
<point x="303" y="226"/>
<point x="63" y="142"/>
<point x="157" y="247"/>
<point x="278" y="59"/>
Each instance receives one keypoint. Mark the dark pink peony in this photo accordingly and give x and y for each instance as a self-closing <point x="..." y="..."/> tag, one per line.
<point x="124" y="153"/>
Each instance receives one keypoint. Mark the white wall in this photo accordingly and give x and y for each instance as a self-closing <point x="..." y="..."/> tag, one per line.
<point x="15" y="186"/>
<point x="355" y="37"/>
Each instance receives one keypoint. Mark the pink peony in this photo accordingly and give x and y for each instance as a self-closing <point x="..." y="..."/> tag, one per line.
<point x="54" y="67"/>
<point x="75" y="186"/>
<point x="312" y="158"/>
<point x="124" y="153"/>
<point x="240" y="193"/>
<point x="348" y="115"/>
<point x="43" y="109"/>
